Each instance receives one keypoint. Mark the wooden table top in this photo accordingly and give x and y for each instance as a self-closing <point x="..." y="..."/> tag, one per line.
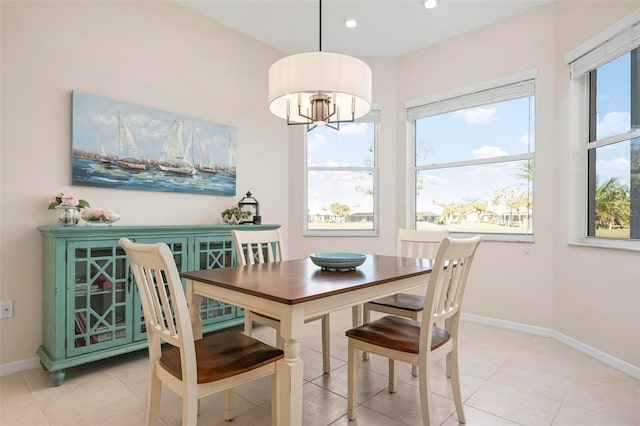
<point x="299" y="280"/>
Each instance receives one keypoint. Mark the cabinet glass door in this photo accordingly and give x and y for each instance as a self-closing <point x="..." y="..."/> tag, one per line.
<point x="98" y="297"/>
<point x="215" y="252"/>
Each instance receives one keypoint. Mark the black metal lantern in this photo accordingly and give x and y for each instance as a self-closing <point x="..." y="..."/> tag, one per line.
<point x="251" y="205"/>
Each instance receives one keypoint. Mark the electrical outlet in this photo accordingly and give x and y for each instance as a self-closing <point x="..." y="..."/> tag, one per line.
<point x="6" y="309"/>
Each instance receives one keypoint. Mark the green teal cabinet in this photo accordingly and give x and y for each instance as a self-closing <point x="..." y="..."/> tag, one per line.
<point x="91" y="308"/>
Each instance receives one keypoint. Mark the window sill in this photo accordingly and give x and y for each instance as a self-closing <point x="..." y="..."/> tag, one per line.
<point x="607" y="243"/>
<point x="503" y="238"/>
<point x="340" y="233"/>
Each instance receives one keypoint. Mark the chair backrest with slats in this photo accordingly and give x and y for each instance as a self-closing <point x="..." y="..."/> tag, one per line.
<point x="164" y="304"/>
<point x="258" y="246"/>
<point x="447" y="283"/>
<point x="419" y="243"/>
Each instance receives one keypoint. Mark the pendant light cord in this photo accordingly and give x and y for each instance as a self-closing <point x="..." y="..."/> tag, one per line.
<point x="320" y="27"/>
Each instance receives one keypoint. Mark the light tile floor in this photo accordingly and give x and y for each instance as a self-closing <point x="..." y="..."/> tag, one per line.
<point x="508" y="378"/>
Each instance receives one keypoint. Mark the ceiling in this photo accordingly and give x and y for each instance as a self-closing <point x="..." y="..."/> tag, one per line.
<point x="386" y="28"/>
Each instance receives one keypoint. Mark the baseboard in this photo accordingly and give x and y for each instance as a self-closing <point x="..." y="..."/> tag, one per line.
<point x="618" y="364"/>
<point x="611" y="361"/>
<point x="17" y="366"/>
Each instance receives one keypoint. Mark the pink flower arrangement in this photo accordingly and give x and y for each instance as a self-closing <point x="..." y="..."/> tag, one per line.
<point x="66" y="200"/>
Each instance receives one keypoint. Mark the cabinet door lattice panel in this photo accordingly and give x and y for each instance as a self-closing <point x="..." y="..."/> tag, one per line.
<point x="99" y="303"/>
<point x="215" y="253"/>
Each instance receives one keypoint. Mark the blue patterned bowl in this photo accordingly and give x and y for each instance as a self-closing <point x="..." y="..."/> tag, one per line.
<point x="338" y="261"/>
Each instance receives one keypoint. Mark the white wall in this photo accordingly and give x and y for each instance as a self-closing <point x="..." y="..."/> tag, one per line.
<point x="162" y="55"/>
<point x="157" y="54"/>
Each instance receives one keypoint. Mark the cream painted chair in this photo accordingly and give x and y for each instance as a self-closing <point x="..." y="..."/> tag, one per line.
<point x="410" y="243"/>
<point x="218" y="362"/>
<point x="266" y="246"/>
<point x="421" y="342"/>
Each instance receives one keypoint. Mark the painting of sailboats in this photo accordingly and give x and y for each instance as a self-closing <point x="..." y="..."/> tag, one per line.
<point x="118" y="144"/>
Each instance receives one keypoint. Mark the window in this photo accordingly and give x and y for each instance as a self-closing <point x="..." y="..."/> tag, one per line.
<point x="341" y="178"/>
<point x="607" y="90"/>
<point x="473" y="159"/>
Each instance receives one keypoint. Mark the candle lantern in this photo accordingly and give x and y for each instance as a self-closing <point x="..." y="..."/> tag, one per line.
<point x="249" y="204"/>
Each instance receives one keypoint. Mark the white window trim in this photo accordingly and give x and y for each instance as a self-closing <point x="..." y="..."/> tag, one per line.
<point x="449" y="100"/>
<point x="372" y="117"/>
<point x="593" y="53"/>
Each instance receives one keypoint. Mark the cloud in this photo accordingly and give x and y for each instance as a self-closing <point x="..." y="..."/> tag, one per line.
<point x="477" y="115"/>
<point x="331" y="163"/>
<point x="100" y="118"/>
<point x="487" y="151"/>
<point x="613" y="123"/>
<point x="611" y="168"/>
<point x="433" y="180"/>
<point x="524" y="139"/>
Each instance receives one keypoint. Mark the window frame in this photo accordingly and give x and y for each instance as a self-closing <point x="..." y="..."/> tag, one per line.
<point x="373" y="117"/>
<point x="467" y="97"/>
<point x="597" y="51"/>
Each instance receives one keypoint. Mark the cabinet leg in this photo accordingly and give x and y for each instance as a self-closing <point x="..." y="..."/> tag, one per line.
<point x="57" y="377"/>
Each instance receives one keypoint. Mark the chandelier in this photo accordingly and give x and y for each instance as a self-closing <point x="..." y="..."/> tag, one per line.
<point x="319" y="88"/>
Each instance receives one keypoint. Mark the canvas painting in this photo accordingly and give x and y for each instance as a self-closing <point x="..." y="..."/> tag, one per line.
<point x="117" y="144"/>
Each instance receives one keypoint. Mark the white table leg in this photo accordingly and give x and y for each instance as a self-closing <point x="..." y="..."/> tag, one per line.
<point x="194" y="301"/>
<point x="356" y="315"/>
<point x="291" y="374"/>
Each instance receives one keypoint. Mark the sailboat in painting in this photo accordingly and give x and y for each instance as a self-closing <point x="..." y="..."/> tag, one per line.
<point x="206" y="159"/>
<point x="174" y="157"/>
<point x="128" y="148"/>
<point x="104" y="158"/>
<point x="210" y="160"/>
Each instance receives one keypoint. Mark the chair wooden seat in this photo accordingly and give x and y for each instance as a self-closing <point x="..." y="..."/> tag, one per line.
<point x="407" y="302"/>
<point x="223" y="355"/>
<point x="401" y="334"/>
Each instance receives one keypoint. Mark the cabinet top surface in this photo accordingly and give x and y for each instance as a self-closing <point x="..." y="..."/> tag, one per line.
<point x="115" y="230"/>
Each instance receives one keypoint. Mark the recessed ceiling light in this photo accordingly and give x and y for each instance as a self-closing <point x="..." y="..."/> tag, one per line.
<point x="350" y="23"/>
<point x="430" y="4"/>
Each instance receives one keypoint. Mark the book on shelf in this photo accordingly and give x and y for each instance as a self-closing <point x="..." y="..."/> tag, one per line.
<point x="103" y="337"/>
<point x="102" y="333"/>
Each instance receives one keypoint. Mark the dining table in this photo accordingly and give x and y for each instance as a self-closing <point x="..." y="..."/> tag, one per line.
<point x="294" y="290"/>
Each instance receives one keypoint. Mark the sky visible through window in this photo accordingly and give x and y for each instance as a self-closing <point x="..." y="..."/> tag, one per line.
<point x="489" y="131"/>
<point x="352" y="146"/>
<point x="613" y="107"/>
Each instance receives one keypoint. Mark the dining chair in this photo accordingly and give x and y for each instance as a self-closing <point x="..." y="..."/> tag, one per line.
<point x="192" y="369"/>
<point x="410" y="243"/>
<point x="266" y="246"/>
<point x="421" y="342"/>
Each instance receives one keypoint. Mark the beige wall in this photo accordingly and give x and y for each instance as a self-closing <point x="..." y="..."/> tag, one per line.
<point x="162" y="55"/>
<point x="596" y="291"/>
<point x="157" y="54"/>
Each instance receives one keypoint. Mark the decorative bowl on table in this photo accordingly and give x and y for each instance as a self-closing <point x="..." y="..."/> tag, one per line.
<point x="100" y="216"/>
<point x="338" y="261"/>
